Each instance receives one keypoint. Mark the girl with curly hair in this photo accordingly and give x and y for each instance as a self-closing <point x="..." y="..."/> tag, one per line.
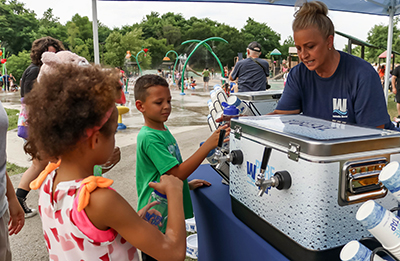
<point x="72" y="121"/>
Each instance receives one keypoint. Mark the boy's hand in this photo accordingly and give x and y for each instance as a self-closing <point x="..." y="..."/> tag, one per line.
<point x="212" y="141"/>
<point x="196" y="183"/>
<point x="167" y="183"/>
<point x="143" y="211"/>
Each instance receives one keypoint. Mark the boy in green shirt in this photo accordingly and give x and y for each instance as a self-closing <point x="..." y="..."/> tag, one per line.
<point x="157" y="152"/>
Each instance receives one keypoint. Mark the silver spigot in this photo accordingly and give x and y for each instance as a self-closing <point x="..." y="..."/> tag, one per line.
<point x="263" y="184"/>
<point x="219" y="153"/>
<point x="280" y="180"/>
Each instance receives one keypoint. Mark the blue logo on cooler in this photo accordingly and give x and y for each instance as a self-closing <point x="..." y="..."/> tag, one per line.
<point x="254" y="168"/>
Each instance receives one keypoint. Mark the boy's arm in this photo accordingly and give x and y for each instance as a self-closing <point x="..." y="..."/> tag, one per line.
<point x="17" y="215"/>
<point x="187" y="167"/>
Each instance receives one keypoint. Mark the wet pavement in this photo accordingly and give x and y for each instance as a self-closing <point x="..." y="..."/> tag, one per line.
<point x="187" y="123"/>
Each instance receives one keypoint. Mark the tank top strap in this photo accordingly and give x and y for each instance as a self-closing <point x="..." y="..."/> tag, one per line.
<point x="35" y="184"/>
<point x="88" y="185"/>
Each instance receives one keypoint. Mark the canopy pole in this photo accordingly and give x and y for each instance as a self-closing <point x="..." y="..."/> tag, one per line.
<point x="391" y="11"/>
<point x="95" y="33"/>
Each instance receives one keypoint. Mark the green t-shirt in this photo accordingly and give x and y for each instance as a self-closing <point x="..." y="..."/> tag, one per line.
<point x="206" y="73"/>
<point x="156" y="153"/>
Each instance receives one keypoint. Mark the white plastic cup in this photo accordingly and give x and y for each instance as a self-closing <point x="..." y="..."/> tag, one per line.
<point x="355" y="251"/>
<point x="381" y="223"/>
<point x="218" y="115"/>
<point x="210" y="105"/>
<point x="221" y="95"/>
<point x="190" y="225"/>
<point x="243" y="108"/>
<point x="390" y="177"/>
<point x="192" y="246"/>
<point x="211" y="123"/>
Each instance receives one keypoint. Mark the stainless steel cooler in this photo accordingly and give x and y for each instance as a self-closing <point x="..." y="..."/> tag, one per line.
<point x="260" y="102"/>
<point x="332" y="168"/>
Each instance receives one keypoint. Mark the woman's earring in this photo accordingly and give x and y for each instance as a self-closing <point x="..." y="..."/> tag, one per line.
<point x="330" y="48"/>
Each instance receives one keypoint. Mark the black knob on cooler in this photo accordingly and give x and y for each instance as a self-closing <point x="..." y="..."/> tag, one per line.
<point x="284" y="178"/>
<point x="237" y="157"/>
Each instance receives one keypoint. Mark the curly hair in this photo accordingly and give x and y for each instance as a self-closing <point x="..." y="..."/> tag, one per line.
<point x="146" y="81"/>
<point x="313" y="14"/>
<point x="41" y="45"/>
<point x="65" y="104"/>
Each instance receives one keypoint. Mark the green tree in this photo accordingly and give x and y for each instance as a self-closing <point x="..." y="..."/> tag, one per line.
<point x="158" y="49"/>
<point x="117" y="44"/>
<point x="49" y="25"/>
<point x="377" y="36"/>
<point x="263" y="34"/>
<point x="17" y="25"/>
<point x="16" y="64"/>
<point x="172" y="34"/>
<point x="284" y="49"/>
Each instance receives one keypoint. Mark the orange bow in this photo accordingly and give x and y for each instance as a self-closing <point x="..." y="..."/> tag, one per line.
<point x="90" y="184"/>
<point x="35" y="184"/>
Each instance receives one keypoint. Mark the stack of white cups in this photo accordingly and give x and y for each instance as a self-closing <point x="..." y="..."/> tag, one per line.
<point x="382" y="224"/>
<point x="220" y="93"/>
<point x="355" y="251"/>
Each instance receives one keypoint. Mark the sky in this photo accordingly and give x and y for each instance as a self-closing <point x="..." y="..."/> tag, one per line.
<point x="119" y="13"/>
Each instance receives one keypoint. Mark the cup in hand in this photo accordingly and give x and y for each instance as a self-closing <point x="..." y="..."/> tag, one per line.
<point x="355" y="251"/>
<point x="390" y="178"/>
<point x="381" y="223"/>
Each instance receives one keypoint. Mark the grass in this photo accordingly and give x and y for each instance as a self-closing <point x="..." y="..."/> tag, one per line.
<point x="392" y="106"/>
<point x="12" y="114"/>
<point x="12" y="118"/>
<point x="13" y="169"/>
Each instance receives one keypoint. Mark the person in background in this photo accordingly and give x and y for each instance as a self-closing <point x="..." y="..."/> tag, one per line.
<point x="396" y="91"/>
<point x="206" y="78"/>
<point x="251" y="72"/>
<point x="382" y="74"/>
<point x="6" y="80"/>
<point x="12" y="80"/>
<point x="39" y="46"/>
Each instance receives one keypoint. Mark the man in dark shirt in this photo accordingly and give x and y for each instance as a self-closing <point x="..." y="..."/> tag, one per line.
<point x="252" y="72"/>
<point x="395" y="89"/>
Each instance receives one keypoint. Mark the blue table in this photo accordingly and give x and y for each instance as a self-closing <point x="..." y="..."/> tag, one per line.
<point x="222" y="236"/>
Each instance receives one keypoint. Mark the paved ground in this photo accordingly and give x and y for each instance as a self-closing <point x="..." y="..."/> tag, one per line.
<point x="187" y="123"/>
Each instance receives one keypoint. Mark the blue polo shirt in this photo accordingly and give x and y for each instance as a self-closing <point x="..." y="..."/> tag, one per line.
<point x="353" y="94"/>
<point x="251" y="76"/>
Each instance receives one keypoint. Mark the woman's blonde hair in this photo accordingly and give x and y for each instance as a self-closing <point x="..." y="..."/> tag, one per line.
<point x="313" y="14"/>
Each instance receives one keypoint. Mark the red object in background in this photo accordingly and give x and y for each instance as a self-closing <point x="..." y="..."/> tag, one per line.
<point x="3" y="61"/>
<point x="1" y="52"/>
<point x="145" y="50"/>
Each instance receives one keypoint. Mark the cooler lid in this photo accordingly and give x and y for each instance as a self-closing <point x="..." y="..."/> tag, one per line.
<point x="259" y="95"/>
<point x="316" y="136"/>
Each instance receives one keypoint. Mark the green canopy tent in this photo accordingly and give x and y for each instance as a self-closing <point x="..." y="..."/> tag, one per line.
<point x="275" y="66"/>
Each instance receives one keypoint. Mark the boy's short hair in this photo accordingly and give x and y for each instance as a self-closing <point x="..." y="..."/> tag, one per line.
<point x="146" y="81"/>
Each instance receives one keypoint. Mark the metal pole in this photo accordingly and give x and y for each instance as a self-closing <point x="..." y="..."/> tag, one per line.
<point x="95" y="33"/>
<point x="389" y="49"/>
